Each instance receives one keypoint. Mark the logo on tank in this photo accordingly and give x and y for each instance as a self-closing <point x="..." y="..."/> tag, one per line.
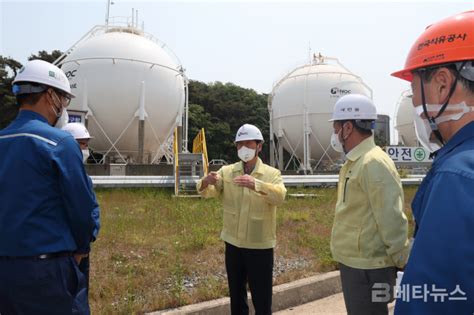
<point x="335" y="91"/>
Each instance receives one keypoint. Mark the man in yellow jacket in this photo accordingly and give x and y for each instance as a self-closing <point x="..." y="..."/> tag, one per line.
<point x="370" y="231"/>
<point x="250" y="192"/>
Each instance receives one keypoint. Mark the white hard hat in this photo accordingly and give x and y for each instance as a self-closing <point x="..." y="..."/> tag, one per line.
<point x="42" y="72"/>
<point x="77" y="130"/>
<point x="248" y="132"/>
<point x="354" y="107"/>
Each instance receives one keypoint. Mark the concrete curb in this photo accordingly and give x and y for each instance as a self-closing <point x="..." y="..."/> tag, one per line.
<point x="284" y="296"/>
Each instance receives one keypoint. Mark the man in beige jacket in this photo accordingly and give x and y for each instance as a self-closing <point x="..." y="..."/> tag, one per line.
<point x="370" y="232"/>
<point x="250" y="192"/>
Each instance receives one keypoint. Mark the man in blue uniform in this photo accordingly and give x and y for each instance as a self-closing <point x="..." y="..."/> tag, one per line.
<point x="82" y="136"/>
<point x="47" y="201"/>
<point x="438" y="278"/>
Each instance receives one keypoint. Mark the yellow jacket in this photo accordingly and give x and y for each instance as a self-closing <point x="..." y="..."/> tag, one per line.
<point x="370" y="229"/>
<point x="249" y="216"/>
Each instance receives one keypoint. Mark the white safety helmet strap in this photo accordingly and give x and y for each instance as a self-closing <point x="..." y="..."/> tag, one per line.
<point x="466" y="69"/>
<point x="365" y="124"/>
<point x="27" y="88"/>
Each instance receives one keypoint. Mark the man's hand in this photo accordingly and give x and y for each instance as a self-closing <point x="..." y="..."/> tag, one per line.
<point x="78" y="257"/>
<point x="210" y="179"/>
<point x="245" y="181"/>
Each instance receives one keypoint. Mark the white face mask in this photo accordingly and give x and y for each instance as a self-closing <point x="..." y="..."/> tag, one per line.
<point x="85" y="155"/>
<point x="335" y="143"/>
<point x="62" y="120"/>
<point x="62" y="117"/>
<point x="246" y="154"/>
<point x="422" y="126"/>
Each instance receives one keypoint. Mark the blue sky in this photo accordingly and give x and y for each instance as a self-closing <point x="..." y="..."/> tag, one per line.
<point x="249" y="43"/>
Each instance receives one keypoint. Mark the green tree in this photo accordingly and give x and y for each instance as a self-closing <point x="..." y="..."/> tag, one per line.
<point x="381" y="139"/>
<point x="8" y="109"/>
<point x="223" y="108"/>
<point x="46" y="56"/>
<point x="218" y="133"/>
<point x="9" y="67"/>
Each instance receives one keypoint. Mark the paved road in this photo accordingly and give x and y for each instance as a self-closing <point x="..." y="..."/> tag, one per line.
<point x="333" y="305"/>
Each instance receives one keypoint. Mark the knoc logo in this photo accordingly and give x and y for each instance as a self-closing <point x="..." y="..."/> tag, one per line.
<point x="336" y="90"/>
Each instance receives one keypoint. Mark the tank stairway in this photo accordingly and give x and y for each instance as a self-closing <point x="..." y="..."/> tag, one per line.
<point x="190" y="168"/>
<point x="90" y="33"/>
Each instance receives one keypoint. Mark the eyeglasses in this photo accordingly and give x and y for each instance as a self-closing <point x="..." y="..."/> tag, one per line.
<point x="63" y="98"/>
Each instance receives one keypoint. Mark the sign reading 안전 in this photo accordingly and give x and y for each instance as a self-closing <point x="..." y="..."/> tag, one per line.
<point x="408" y="154"/>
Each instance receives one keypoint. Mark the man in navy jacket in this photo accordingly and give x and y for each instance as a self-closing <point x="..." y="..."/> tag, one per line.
<point x="438" y="278"/>
<point x="46" y="201"/>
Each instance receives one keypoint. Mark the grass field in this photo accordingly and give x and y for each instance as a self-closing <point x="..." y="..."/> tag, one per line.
<point x="155" y="251"/>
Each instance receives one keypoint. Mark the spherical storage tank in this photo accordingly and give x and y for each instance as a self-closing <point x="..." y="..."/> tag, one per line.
<point x="119" y="75"/>
<point x="404" y="120"/>
<point x="302" y="103"/>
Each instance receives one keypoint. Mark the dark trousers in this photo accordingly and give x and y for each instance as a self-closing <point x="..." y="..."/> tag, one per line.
<point x="83" y="293"/>
<point x="256" y="267"/>
<point x="84" y="268"/>
<point x="367" y="291"/>
<point x="41" y="287"/>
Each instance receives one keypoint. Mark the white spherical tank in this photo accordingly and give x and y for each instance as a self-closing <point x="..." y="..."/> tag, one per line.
<point x="404" y="120"/>
<point x="303" y="101"/>
<point x="118" y="77"/>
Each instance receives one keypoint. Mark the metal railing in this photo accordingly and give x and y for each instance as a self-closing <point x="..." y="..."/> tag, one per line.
<point x="199" y="146"/>
<point x="176" y="161"/>
<point x="169" y="181"/>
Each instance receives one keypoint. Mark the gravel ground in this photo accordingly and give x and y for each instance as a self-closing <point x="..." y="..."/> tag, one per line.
<point x="281" y="266"/>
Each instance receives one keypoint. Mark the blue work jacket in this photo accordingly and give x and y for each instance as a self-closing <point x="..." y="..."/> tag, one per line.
<point x="47" y="203"/>
<point x="439" y="276"/>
